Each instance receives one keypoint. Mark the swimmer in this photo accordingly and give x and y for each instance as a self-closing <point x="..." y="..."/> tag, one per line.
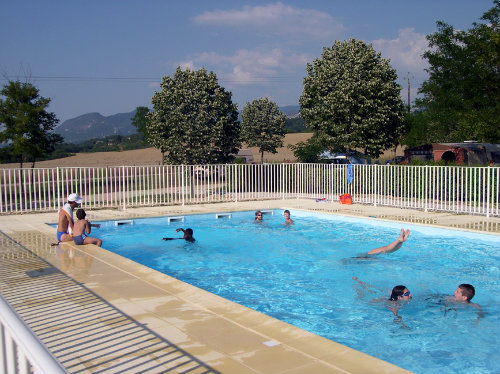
<point x="286" y="214"/>
<point x="399" y="293"/>
<point x="188" y="235"/>
<point x="392" y="247"/>
<point x="82" y="228"/>
<point x="464" y="293"/>
<point x="258" y="216"/>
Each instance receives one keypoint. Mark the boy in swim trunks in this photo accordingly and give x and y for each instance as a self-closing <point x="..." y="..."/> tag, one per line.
<point x="82" y="228"/>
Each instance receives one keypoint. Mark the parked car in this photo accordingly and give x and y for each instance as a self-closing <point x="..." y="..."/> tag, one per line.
<point x="398" y="160"/>
<point x="341" y="158"/>
<point x="205" y="172"/>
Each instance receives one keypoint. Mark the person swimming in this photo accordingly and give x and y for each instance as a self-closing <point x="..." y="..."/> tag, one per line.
<point x="188" y="235"/>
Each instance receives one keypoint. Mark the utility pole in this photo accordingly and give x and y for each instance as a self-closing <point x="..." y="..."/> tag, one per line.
<point x="408" y="79"/>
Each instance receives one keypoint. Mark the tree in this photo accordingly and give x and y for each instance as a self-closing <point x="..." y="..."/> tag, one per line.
<point x="25" y="124"/>
<point x="194" y="120"/>
<point x="462" y="95"/>
<point x="308" y="151"/>
<point x="263" y="126"/>
<point x="351" y="99"/>
<point x="139" y="120"/>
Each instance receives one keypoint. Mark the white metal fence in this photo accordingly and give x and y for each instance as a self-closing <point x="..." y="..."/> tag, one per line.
<point x="468" y="190"/>
<point x="20" y="350"/>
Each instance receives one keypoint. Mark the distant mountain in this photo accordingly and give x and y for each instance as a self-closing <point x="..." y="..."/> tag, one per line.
<point x="291" y="111"/>
<point x="95" y="125"/>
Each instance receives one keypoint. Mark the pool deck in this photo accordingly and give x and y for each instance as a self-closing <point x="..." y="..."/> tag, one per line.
<point x="99" y="312"/>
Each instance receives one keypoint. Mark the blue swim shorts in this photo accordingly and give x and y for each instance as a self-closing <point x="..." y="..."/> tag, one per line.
<point x="78" y="239"/>
<point x="59" y="234"/>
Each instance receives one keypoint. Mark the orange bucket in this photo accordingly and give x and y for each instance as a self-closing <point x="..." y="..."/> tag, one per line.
<point x="346" y="199"/>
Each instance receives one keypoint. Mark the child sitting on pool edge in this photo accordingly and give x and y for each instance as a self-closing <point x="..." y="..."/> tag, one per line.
<point x="82" y="228"/>
<point x="188" y="235"/>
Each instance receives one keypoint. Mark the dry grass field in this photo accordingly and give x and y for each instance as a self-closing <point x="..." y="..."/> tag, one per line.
<point x="152" y="156"/>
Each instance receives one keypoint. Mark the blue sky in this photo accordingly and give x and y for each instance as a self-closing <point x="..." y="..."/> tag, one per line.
<point x="109" y="56"/>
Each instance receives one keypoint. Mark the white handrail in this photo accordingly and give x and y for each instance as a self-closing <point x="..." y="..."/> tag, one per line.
<point x="25" y="344"/>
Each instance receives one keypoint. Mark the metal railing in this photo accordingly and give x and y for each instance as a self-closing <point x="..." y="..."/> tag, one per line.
<point x="467" y="190"/>
<point x="20" y="350"/>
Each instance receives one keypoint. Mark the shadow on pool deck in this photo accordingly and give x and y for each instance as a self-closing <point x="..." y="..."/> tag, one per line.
<point x="83" y="331"/>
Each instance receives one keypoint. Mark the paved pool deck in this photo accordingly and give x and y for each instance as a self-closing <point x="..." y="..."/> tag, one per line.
<point x="99" y="312"/>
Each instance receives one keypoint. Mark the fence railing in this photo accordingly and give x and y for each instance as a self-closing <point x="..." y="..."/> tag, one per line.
<point x="468" y="190"/>
<point x="20" y="350"/>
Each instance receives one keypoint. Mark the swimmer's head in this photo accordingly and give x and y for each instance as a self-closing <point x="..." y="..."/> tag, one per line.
<point x="400" y="293"/>
<point x="464" y="293"/>
<point x="189" y="232"/>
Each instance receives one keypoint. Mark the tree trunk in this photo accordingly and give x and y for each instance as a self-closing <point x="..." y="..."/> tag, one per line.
<point x="262" y="157"/>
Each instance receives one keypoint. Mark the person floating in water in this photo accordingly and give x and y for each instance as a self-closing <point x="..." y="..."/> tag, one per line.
<point x="392" y="247"/>
<point x="399" y="294"/>
<point x="286" y="214"/>
<point x="82" y="228"/>
<point x="258" y="216"/>
<point x="188" y="235"/>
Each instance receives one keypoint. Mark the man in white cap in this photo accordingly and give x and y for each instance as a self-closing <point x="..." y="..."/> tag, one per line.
<point x="65" y="223"/>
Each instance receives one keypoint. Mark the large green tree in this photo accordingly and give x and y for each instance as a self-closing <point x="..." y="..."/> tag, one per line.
<point x="263" y="126"/>
<point x="462" y="94"/>
<point x="25" y="124"/>
<point x="351" y="99"/>
<point x="139" y="120"/>
<point x="194" y="120"/>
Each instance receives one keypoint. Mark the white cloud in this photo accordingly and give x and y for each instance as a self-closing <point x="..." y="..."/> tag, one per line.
<point x="405" y="51"/>
<point x="250" y="66"/>
<point x="189" y="64"/>
<point x="275" y="19"/>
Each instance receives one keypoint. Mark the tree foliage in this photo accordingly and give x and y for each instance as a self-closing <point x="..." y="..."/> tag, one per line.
<point x="308" y="151"/>
<point x="351" y="99"/>
<point x="462" y="95"/>
<point x="193" y="120"/>
<point x="25" y="123"/>
<point x="139" y="120"/>
<point x="263" y="126"/>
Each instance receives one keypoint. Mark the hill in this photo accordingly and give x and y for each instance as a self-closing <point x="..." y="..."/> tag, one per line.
<point x="94" y="125"/>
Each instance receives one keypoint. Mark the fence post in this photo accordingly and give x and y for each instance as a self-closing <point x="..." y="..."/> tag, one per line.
<point x="58" y="190"/>
<point x="426" y="189"/>
<point x="182" y="183"/>
<point x="123" y="188"/>
<point x="488" y="193"/>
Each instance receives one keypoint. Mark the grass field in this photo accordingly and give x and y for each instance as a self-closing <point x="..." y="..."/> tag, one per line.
<point x="152" y="156"/>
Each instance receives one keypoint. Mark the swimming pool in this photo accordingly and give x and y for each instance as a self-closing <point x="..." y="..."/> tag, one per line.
<point x="301" y="274"/>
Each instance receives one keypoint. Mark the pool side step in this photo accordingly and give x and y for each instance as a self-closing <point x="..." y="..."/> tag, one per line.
<point x="124" y="222"/>
<point x="223" y="215"/>
<point x="175" y="219"/>
<point x="271" y="212"/>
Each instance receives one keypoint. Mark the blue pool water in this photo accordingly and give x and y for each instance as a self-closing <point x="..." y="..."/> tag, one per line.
<point x="301" y="274"/>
